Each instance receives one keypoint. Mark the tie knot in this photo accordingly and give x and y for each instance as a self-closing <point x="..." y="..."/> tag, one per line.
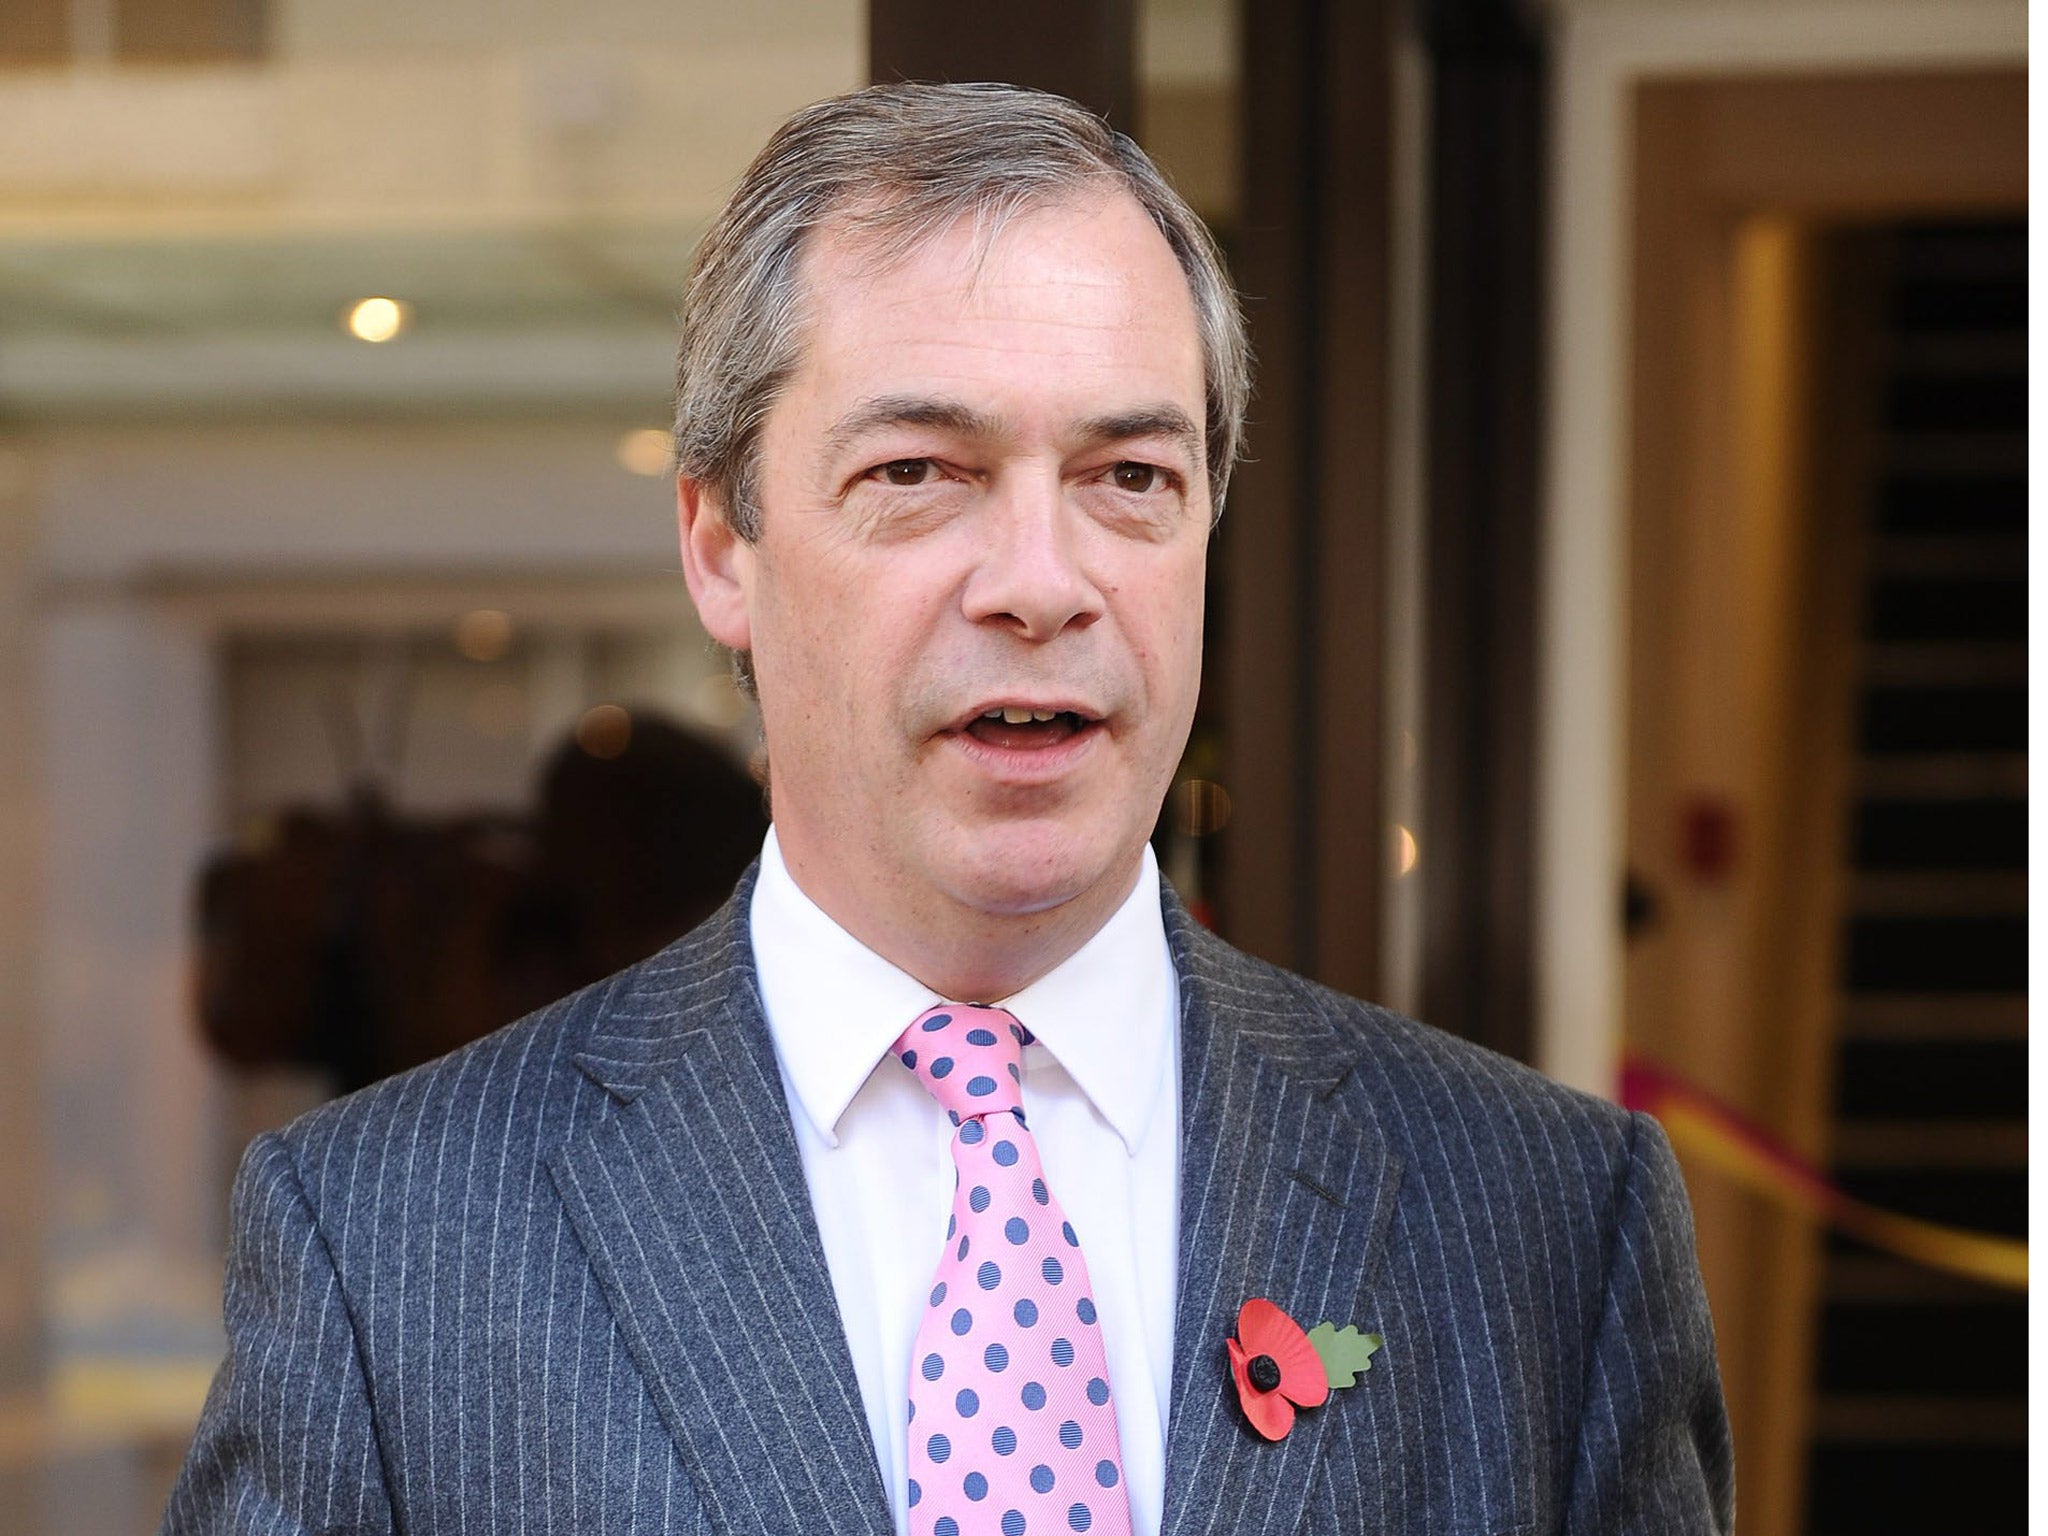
<point x="968" y="1058"/>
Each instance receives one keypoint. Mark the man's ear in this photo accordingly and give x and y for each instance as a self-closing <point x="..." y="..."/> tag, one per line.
<point x="717" y="564"/>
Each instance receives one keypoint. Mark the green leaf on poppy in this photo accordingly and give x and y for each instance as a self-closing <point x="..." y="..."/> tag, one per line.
<point x="1346" y="1353"/>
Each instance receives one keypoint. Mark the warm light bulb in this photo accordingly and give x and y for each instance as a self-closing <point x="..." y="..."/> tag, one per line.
<point x="484" y="634"/>
<point x="605" y="731"/>
<point x="1406" y="854"/>
<point x="377" y="319"/>
<point x="646" y="452"/>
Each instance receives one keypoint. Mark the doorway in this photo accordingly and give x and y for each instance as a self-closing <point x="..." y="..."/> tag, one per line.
<point x="1824" y="444"/>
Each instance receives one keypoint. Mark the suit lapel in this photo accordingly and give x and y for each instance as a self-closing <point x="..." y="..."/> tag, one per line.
<point x="1286" y="1190"/>
<point x="691" y="1202"/>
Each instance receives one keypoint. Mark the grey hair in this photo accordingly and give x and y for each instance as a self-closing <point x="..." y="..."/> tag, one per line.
<point x="901" y="163"/>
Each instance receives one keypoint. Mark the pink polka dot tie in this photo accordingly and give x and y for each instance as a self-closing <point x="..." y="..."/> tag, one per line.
<point x="1012" y="1430"/>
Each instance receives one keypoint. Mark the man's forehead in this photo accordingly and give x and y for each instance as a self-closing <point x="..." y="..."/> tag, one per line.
<point x="869" y="239"/>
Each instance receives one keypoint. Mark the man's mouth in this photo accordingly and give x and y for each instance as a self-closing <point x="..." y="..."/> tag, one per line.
<point x="1023" y="728"/>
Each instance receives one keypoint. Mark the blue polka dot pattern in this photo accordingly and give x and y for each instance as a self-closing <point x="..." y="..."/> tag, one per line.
<point x="916" y="1493"/>
<point x="1030" y="1468"/>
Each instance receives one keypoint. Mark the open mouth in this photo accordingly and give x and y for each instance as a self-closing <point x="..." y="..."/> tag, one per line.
<point x="1020" y="728"/>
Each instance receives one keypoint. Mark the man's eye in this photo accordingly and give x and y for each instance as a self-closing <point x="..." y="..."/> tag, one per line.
<point x="1138" y="478"/>
<point x="903" y="472"/>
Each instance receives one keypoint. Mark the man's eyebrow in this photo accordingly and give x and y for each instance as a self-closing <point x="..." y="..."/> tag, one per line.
<point x="906" y="411"/>
<point x="1167" y="421"/>
<point x="883" y="411"/>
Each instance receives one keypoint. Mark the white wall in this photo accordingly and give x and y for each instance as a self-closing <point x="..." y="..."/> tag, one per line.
<point x="128" y="1102"/>
<point x="120" y="504"/>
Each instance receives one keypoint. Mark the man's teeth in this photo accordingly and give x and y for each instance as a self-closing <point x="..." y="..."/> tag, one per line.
<point x="1010" y="715"/>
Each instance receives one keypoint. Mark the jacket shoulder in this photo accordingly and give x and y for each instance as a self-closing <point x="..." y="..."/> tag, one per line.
<point x="505" y="1084"/>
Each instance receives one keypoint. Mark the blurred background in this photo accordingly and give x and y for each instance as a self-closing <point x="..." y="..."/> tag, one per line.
<point x="1617" y="641"/>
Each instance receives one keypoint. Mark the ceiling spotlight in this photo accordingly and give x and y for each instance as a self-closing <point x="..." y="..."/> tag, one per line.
<point x="377" y="319"/>
<point x="646" y="452"/>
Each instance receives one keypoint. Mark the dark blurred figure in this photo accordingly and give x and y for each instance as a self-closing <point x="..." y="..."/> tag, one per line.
<point x="643" y="828"/>
<point x="362" y="942"/>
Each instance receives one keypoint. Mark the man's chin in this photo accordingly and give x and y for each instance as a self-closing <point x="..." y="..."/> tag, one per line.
<point x="1026" y="874"/>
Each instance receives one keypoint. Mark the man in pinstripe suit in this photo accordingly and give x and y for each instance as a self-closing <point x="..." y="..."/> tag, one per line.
<point x="960" y="387"/>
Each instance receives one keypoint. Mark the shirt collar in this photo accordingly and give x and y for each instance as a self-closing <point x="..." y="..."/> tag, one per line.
<point x="835" y="1007"/>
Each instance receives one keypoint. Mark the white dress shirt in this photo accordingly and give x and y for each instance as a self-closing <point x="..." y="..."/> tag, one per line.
<point x="1101" y="1089"/>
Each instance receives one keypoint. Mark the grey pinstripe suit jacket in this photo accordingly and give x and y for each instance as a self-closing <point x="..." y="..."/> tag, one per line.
<point x="567" y="1279"/>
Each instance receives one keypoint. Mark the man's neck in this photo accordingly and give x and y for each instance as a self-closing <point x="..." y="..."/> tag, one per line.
<point x="959" y="951"/>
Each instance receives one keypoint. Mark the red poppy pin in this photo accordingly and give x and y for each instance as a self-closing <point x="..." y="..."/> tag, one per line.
<point x="1279" y="1368"/>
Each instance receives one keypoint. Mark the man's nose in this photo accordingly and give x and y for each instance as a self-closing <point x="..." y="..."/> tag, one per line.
<point x="1031" y="576"/>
